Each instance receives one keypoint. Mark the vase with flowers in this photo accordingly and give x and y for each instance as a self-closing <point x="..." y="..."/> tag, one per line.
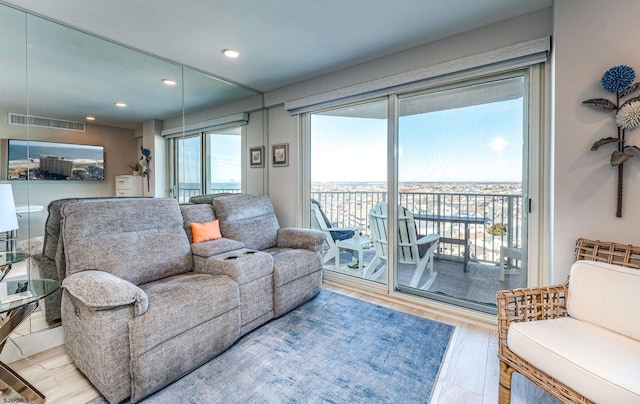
<point x="619" y="81"/>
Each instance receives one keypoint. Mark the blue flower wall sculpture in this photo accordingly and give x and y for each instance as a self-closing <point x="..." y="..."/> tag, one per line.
<point x="619" y="81"/>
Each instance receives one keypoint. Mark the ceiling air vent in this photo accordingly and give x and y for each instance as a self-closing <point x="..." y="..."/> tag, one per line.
<point x="30" y="120"/>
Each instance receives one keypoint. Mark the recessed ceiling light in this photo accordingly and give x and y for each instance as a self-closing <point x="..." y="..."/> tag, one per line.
<point x="230" y="53"/>
<point x="90" y="118"/>
<point x="120" y="104"/>
<point x="169" y="82"/>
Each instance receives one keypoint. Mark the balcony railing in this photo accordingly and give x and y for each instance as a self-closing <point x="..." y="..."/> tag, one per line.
<point x="185" y="193"/>
<point x="502" y="213"/>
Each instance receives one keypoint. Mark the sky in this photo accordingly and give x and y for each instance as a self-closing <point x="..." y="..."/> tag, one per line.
<point x="224" y="156"/>
<point x="481" y="143"/>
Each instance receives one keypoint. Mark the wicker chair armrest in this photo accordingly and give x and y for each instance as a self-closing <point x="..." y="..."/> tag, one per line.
<point x="529" y="304"/>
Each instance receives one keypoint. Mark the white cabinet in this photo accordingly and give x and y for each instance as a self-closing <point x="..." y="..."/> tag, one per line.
<point x="129" y="185"/>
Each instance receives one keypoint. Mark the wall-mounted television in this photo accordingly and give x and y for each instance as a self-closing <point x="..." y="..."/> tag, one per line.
<point x="37" y="160"/>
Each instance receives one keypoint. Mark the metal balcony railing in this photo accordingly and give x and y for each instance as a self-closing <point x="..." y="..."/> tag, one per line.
<point x="502" y="227"/>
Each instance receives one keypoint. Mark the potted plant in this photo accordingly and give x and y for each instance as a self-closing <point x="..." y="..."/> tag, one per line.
<point x="136" y="168"/>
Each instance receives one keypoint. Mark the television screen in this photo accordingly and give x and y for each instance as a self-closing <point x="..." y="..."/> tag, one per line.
<point x="38" y="160"/>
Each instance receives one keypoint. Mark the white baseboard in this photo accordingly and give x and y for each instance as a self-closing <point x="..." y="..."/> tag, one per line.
<point x="31" y="344"/>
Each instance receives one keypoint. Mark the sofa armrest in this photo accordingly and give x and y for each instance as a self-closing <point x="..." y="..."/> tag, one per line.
<point x="308" y="239"/>
<point x="101" y="291"/>
<point x="529" y="304"/>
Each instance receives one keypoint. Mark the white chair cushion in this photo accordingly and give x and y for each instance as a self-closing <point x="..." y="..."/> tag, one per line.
<point x="599" y="364"/>
<point x="605" y="295"/>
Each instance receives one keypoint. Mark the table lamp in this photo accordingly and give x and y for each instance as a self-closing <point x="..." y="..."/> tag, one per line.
<point x="8" y="217"/>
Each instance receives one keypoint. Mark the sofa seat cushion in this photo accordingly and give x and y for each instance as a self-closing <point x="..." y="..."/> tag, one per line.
<point x="597" y="363"/>
<point x="210" y="248"/>
<point x="616" y="306"/>
<point x="191" y="319"/>
<point x="179" y="303"/>
<point x="291" y="264"/>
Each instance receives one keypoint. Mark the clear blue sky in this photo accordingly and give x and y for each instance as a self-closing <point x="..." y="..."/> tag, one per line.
<point x="481" y="143"/>
<point x="224" y="157"/>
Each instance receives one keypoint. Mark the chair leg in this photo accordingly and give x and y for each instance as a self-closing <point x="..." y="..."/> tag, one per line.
<point x="370" y="267"/>
<point x="504" y="393"/>
<point x="425" y="262"/>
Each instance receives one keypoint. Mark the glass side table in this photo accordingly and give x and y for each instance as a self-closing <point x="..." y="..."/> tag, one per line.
<point x="14" y="313"/>
<point x="9" y="258"/>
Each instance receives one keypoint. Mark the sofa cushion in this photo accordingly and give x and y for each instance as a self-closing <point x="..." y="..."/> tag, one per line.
<point x="199" y="213"/>
<point x="249" y="219"/>
<point x="138" y="240"/>
<point x="605" y="295"/>
<point x="597" y="363"/>
<point x="291" y="264"/>
<point x="191" y="318"/>
<point x="179" y="303"/>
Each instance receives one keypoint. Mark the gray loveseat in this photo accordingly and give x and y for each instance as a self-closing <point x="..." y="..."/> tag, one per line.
<point x="142" y="305"/>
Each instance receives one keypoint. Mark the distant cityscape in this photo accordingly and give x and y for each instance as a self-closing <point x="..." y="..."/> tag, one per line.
<point x="496" y="188"/>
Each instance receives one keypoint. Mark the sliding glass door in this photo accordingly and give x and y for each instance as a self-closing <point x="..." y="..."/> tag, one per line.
<point x="460" y="172"/>
<point x="348" y="180"/>
<point x="460" y="156"/>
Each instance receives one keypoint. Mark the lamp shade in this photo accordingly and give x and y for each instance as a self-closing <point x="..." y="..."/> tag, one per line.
<point x="8" y="217"/>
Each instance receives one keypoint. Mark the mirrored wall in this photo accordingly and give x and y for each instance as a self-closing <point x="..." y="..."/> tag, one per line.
<point x="62" y="89"/>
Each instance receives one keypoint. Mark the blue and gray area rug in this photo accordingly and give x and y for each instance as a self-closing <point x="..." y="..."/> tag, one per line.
<point x="333" y="349"/>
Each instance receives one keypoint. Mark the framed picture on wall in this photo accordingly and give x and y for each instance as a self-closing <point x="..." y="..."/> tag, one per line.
<point x="256" y="156"/>
<point x="280" y="155"/>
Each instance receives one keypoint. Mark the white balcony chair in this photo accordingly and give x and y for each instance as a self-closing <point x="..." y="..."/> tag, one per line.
<point x="319" y="221"/>
<point x="411" y="249"/>
<point x="509" y="253"/>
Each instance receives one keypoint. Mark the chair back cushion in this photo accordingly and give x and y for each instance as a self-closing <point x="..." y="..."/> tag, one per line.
<point x="139" y="240"/>
<point x="196" y="213"/>
<point x="249" y="219"/>
<point x="52" y="248"/>
<point x="606" y="295"/>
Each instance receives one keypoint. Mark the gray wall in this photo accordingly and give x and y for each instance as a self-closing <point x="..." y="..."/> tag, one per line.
<point x="590" y="36"/>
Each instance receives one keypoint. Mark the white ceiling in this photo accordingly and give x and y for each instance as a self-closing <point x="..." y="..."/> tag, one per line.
<point x="280" y="41"/>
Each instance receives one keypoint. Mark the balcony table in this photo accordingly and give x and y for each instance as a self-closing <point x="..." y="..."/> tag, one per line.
<point x="466" y="220"/>
<point x="354" y="244"/>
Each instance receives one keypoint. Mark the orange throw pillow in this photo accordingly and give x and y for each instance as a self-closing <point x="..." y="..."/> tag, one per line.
<point x="205" y="231"/>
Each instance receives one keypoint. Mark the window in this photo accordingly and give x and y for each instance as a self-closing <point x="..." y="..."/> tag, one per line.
<point x="223" y="162"/>
<point x="217" y="169"/>
<point x="188" y="158"/>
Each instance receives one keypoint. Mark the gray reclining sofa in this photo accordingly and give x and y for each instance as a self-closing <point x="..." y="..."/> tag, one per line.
<point x="142" y="305"/>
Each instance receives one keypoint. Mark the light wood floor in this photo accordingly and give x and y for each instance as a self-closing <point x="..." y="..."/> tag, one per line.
<point x="469" y="373"/>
